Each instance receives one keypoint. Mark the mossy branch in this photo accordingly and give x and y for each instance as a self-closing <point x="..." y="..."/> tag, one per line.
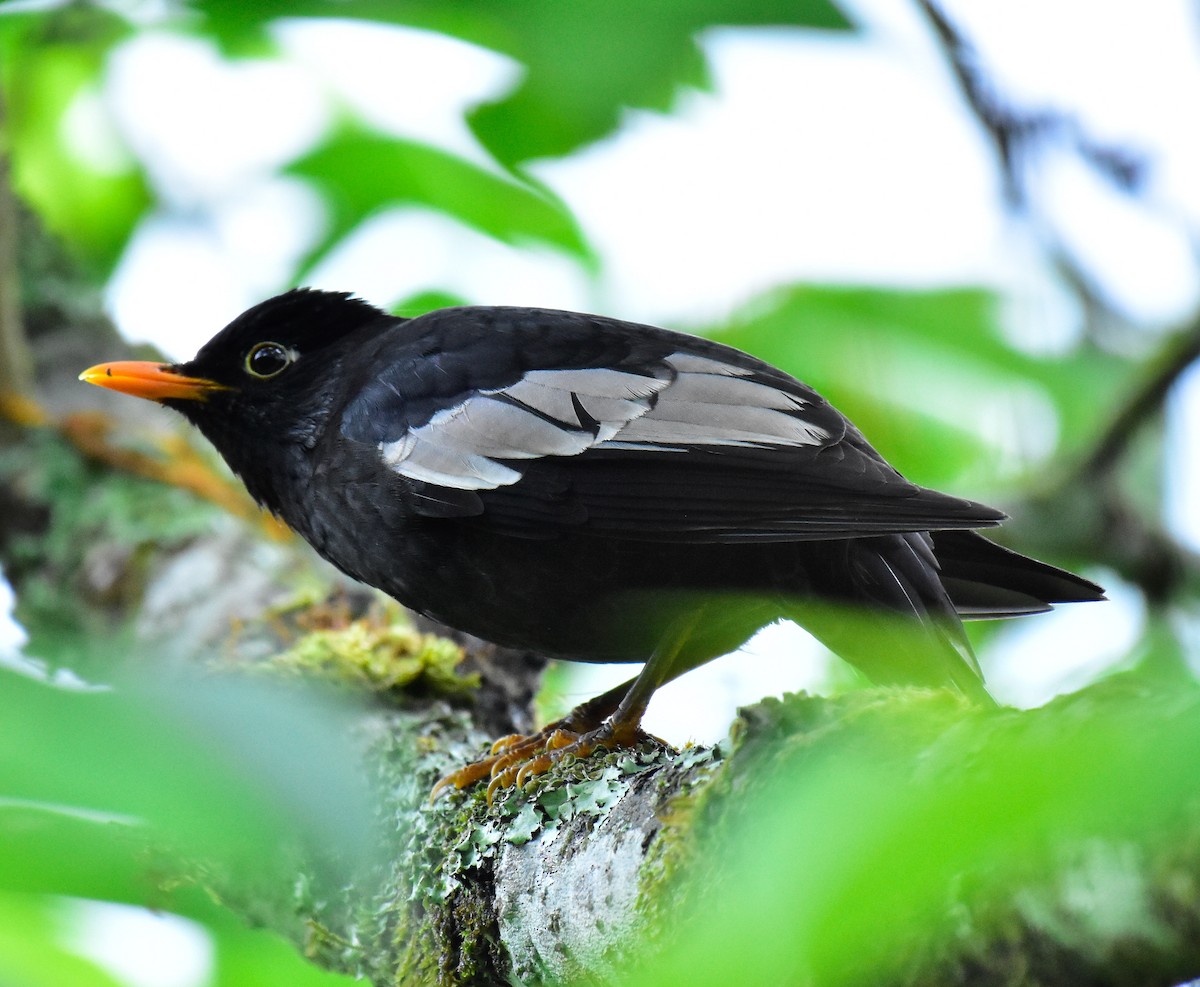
<point x="891" y="835"/>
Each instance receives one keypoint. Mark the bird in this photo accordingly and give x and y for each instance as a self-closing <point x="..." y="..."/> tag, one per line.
<point x="594" y="490"/>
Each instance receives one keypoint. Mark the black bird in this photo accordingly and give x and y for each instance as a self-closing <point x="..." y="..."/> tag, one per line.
<point x="594" y="490"/>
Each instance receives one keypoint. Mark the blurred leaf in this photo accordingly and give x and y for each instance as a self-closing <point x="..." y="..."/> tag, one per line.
<point x="888" y="827"/>
<point x="54" y="849"/>
<point x="246" y="956"/>
<point x="36" y="948"/>
<point x="427" y="301"/>
<point x="586" y="59"/>
<point x="361" y="174"/>
<point x="917" y="371"/>
<point x="230" y="771"/>
<point x="48" y="63"/>
<point x="32" y="953"/>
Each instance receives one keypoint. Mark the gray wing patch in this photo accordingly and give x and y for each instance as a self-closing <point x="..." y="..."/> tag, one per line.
<point x="691" y="401"/>
<point x="610" y="398"/>
<point x="545" y="413"/>
<point x="715" y="404"/>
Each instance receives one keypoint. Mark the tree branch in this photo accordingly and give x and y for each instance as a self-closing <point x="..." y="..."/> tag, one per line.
<point x="1146" y="401"/>
<point x="621" y="868"/>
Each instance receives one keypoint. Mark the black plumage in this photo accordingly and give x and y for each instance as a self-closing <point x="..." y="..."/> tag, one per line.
<point x="593" y="489"/>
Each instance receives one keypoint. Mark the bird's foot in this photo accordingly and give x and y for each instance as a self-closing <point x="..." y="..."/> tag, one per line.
<point x="517" y="758"/>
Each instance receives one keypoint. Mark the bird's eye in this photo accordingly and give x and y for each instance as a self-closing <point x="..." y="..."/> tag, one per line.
<point x="267" y="359"/>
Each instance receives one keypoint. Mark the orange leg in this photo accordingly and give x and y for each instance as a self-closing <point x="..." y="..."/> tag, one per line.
<point x="612" y="721"/>
<point x="508" y="754"/>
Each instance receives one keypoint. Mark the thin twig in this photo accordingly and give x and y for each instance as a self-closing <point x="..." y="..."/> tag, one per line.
<point x="1178" y="353"/>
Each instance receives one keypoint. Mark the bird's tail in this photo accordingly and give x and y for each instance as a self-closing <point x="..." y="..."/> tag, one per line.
<point x="985" y="580"/>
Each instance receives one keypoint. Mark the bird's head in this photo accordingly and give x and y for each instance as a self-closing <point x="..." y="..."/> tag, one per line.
<point x="264" y="381"/>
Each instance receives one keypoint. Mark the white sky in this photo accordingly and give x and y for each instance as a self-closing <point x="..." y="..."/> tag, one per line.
<point x="140" y="947"/>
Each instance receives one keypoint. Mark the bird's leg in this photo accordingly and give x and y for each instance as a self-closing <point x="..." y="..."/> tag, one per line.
<point x="518" y="747"/>
<point x="611" y="720"/>
<point x="586" y="716"/>
<point x="620" y="731"/>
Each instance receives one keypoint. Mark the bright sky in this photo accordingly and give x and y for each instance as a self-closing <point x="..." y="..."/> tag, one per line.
<point x="816" y="158"/>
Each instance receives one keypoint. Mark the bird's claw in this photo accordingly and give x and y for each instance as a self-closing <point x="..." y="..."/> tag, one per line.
<point x="516" y="759"/>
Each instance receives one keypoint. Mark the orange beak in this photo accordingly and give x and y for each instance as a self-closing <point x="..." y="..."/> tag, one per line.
<point x="154" y="381"/>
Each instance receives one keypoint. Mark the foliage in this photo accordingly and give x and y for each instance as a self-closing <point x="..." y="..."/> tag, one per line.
<point x="348" y="168"/>
<point x="875" y="828"/>
<point x="584" y="61"/>
<point x="107" y="791"/>
<point x="580" y="74"/>
<point x="49" y="64"/>
<point x="927" y="367"/>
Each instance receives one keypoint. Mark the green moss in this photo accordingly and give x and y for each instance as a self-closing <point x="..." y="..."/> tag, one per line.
<point x="381" y="652"/>
<point x="81" y="541"/>
<point x="95" y="502"/>
<point x="672" y="858"/>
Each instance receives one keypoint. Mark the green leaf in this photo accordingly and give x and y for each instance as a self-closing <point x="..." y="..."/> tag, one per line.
<point x="49" y="64"/>
<point x="241" y="774"/>
<point x="586" y="59"/>
<point x="890" y="826"/>
<point x="361" y="174"/>
<point x="36" y="951"/>
<point x="917" y="370"/>
<point x="60" y="849"/>
<point x="246" y="956"/>
<point x="427" y="301"/>
<point x="32" y="952"/>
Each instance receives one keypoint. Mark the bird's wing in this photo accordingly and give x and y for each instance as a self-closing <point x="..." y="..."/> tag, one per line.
<point x="665" y="437"/>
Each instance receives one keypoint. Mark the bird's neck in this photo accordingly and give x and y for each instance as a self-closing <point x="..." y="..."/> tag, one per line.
<point x="274" y="472"/>
<point x="277" y="478"/>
